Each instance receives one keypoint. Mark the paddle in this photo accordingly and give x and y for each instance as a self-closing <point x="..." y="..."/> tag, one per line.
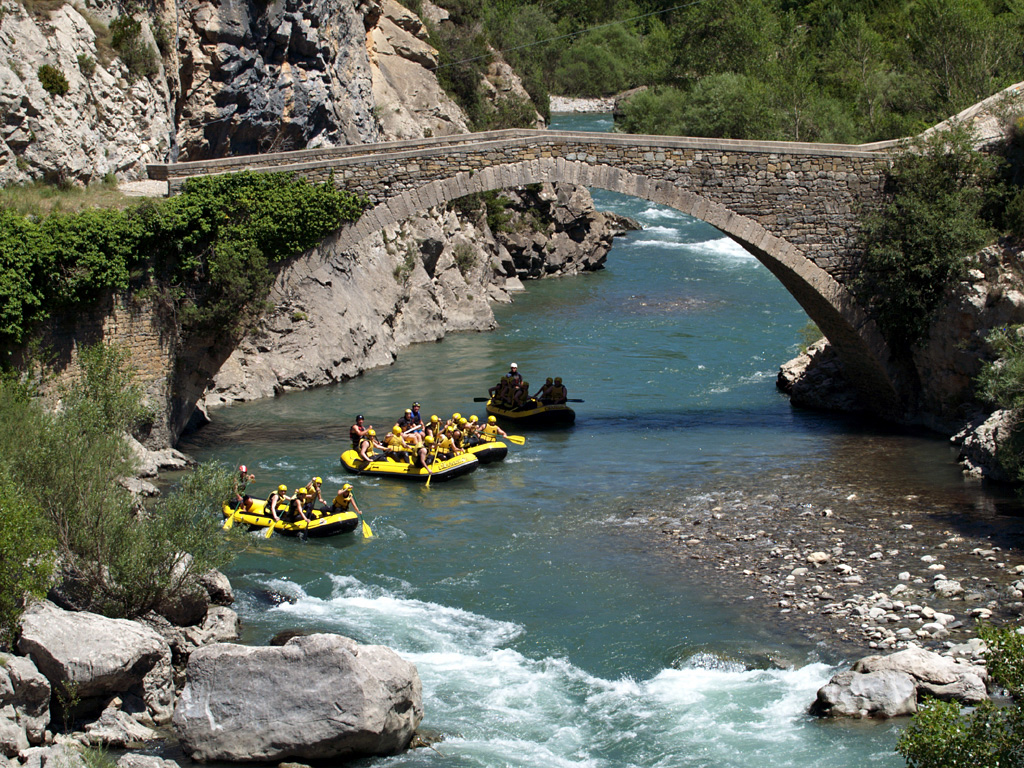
<point x="367" y="533"/>
<point x="229" y="523"/>
<point x="270" y="529"/>
<point x="517" y="439"/>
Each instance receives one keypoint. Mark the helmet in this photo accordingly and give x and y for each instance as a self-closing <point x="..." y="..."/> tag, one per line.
<point x="409" y="411"/>
<point x="347" y="487"/>
<point x="415" y="405"/>
<point x="396" y="429"/>
<point x="371" y="432"/>
<point x="474" y="419"/>
<point x="243" y="469"/>
<point x="558" y="380"/>
<point x="359" y="417"/>
<point x="463" y="421"/>
<point x="456" y="416"/>
<point x="429" y="439"/>
<point x="526" y="385"/>
<point x="434" y="419"/>
<point x="318" y="480"/>
<point x="282" y="488"/>
<point x="491" y="420"/>
<point x="548" y="381"/>
<point x="512" y="365"/>
<point x="302" y="491"/>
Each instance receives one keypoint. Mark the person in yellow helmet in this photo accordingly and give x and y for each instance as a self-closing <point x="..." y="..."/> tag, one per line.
<point x="343" y="500"/>
<point x="422" y="456"/>
<point x="276" y="500"/>
<point x="395" y="445"/>
<point x="544" y="393"/>
<point x="558" y="393"/>
<point x="296" y="508"/>
<point x="435" y="427"/>
<point x="313" y="495"/>
<point x="492" y="430"/>
<point x="368" y="444"/>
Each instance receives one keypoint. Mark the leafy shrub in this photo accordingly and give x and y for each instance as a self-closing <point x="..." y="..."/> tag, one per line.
<point x="943" y="736"/>
<point x="126" y="38"/>
<point x="26" y="549"/>
<point x="465" y="258"/>
<point x="208" y="252"/>
<point x="86" y="64"/>
<point x="723" y="106"/>
<point x="53" y="80"/>
<point x="916" y="246"/>
<point x="163" y="36"/>
<point x="1014" y="215"/>
<point x="68" y="462"/>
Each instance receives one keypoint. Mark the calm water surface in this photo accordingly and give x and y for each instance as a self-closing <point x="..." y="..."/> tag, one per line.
<point x="546" y="629"/>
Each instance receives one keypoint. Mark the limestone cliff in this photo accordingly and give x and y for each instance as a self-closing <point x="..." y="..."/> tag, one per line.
<point x="236" y="77"/>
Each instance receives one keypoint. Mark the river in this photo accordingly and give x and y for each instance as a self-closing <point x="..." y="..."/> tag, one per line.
<point x="548" y="626"/>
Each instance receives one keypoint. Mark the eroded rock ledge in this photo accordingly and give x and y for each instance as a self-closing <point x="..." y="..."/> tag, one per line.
<point x="338" y="314"/>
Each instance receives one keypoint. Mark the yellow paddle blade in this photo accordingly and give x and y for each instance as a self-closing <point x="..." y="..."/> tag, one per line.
<point x="428" y="481"/>
<point x="517" y="439"/>
<point x="270" y="531"/>
<point x="367" y="533"/>
<point x="229" y="523"/>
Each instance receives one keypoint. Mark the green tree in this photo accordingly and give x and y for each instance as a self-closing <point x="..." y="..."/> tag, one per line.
<point x="26" y="548"/>
<point x="943" y="736"/>
<point x="917" y="245"/>
<point x="114" y="559"/>
<point x="962" y="50"/>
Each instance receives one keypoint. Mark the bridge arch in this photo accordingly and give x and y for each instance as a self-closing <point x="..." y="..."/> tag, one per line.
<point x="855" y="337"/>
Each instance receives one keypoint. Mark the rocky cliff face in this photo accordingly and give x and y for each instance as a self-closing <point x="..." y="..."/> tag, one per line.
<point x="237" y="77"/>
<point x="945" y="366"/>
<point x="107" y="122"/>
<point x="337" y="314"/>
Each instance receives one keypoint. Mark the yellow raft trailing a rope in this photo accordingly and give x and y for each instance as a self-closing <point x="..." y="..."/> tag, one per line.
<point x="440" y="470"/>
<point x="331" y="524"/>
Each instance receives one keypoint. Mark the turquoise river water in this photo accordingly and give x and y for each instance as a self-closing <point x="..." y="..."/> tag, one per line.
<point x="546" y="627"/>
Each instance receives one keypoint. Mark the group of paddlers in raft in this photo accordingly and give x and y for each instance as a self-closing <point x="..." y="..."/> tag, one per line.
<point x="511" y="391"/>
<point x="302" y="505"/>
<point x="422" y="442"/>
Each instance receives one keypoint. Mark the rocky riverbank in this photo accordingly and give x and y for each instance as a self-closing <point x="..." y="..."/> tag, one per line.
<point x="849" y="568"/>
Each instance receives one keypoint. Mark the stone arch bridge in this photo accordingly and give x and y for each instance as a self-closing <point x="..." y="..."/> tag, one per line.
<point x="795" y="206"/>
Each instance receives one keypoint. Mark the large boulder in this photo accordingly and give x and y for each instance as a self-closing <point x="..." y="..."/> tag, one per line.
<point x="95" y="656"/>
<point x="935" y="675"/>
<point x="317" y="697"/>
<point x="887" y="693"/>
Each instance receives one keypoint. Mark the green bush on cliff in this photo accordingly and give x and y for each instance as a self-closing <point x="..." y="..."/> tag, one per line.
<point x="916" y="247"/>
<point x="65" y="467"/>
<point x="943" y="736"/>
<point x="138" y="56"/>
<point x="209" y="251"/>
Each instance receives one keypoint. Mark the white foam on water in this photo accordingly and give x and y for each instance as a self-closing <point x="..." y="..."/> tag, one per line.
<point x="494" y="706"/>
<point x="723" y="246"/>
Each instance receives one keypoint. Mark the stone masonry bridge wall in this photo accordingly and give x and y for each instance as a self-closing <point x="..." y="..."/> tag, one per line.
<point x="795" y="206"/>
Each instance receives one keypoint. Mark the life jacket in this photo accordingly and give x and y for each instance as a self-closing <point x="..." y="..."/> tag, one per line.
<point x="341" y="503"/>
<point x="556" y="394"/>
